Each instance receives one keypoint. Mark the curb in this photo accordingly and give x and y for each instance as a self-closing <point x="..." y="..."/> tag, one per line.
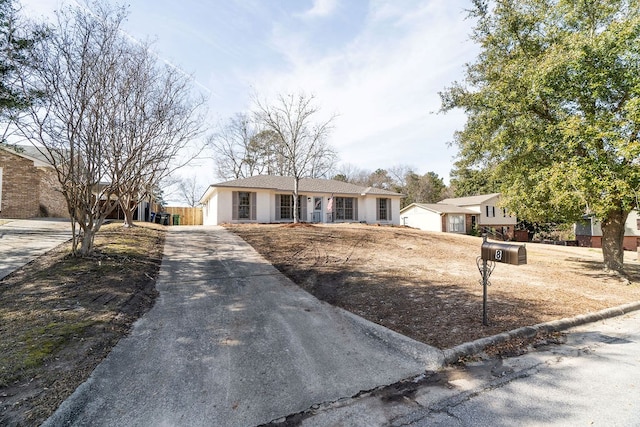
<point x="452" y="355"/>
<point x="431" y="357"/>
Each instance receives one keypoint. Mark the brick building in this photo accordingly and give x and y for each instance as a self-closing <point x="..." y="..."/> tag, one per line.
<point x="28" y="186"/>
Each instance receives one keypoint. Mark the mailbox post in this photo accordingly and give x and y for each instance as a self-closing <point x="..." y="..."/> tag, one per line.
<point x="490" y="253"/>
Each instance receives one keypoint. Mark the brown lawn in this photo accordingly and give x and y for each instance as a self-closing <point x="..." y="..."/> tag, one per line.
<point x="427" y="285"/>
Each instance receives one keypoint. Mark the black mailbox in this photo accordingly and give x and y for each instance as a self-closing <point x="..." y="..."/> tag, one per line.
<point x="504" y="252"/>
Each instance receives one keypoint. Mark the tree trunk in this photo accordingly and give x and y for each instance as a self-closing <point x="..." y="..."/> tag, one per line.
<point x="128" y="217"/>
<point x="128" y="207"/>
<point x="612" y="240"/>
<point x="296" y="182"/>
<point x="87" y="244"/>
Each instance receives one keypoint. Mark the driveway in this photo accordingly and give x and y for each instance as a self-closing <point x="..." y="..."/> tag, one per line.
<point x="22" y="240"/>
<point x="232" y="342"/>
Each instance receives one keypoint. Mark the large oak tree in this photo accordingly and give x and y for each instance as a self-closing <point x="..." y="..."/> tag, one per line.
<point x="553" y="106"/>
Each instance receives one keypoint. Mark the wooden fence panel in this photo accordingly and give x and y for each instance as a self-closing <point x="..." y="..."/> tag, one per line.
<point x="188" y="216"/>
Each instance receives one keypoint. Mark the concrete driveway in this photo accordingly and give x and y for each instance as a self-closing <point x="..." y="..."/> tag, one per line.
<point x="22" y="240"/>
<point x="232" y="342"/>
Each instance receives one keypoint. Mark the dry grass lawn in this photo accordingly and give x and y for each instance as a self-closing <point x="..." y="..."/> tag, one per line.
<point x="427" y="285"/>
<point x="60" y="316"/>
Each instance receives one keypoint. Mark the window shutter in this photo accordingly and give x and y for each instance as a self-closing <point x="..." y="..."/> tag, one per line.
<point x="388" y="209"/>
<point x="378" y="201"/>
<point x="302" y="202"/>
<point x="278" y="208"/>
<point x="234" y="206"/>
<point x="253" y="206"/>
<point x="355" y="209"/>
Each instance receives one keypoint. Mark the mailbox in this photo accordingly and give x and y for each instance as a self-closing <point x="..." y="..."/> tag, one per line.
<point x="504" y="252"/>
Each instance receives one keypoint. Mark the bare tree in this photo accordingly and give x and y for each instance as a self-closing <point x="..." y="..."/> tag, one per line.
<point x="109" y="121"/>
<point x="399" y="173"/>
<point x="300" y="142"/>
<point x="156" y="119"/>
<point x="242" y="149"/>
<point x="349" y="172"/>
<point x="190" y="191"/>
<point x="235" y="150"/>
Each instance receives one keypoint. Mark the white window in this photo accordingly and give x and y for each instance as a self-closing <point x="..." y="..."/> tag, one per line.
<point x="284" y="207"/>
<point x="491" y="211"/>
<point x="244" y="206"/>
<point x="456" y="223"/>
<point x="346" y="208"/>
<point x="383" y="213"/>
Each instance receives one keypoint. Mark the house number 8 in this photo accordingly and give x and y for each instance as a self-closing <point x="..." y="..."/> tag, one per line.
<point x="499" y="255"/>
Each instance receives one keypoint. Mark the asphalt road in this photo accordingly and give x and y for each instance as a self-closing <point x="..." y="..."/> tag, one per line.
<point x="591" y="380"/>
<point x="23" y="240"/>
<point x="232" y="342"/>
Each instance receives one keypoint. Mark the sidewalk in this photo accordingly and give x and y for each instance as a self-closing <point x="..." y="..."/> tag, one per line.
<point x="22" y="240"/>
<point x="232" y="342"/>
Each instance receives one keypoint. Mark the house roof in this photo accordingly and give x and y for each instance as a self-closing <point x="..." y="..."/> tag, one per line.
<point x="28" y="152"/>
<point x="306" y="185"/>
<point x="440" y="208"/>
<point x="469" y="201"/>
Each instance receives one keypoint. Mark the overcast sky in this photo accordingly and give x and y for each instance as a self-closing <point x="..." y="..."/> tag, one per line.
<point x="377" y="64"/>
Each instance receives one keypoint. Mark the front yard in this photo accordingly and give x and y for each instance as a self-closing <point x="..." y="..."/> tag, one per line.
<point x="427" y="286"/>
<point x="59" y="317"/>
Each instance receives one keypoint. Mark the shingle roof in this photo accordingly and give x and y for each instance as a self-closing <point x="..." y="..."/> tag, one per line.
<point x="469" y="201"/>
<point x="441" y="208"/>
<point x="310" y="185"/>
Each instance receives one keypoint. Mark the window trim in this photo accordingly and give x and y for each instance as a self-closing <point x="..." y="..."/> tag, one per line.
<point x="340" y="208"/>
<point x="460" y="223"/>
<point x="383" y="213"/>
<point x="235" y="214"/>
<point x="279" y="206"/>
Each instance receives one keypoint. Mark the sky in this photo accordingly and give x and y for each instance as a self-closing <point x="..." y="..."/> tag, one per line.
<point x="377" y="65"/>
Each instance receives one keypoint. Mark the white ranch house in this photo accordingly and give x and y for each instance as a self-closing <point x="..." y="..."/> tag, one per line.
<point x="269" y="199"/>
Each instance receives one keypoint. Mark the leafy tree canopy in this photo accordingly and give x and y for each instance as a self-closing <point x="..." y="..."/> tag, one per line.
<point x="15" y="41"/>
<point x="553" y="105"/>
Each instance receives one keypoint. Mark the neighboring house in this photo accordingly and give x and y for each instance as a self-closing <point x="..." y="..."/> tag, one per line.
<point x="461" y="215"/>
<point x="28" y="185"/>
<point x="589" y="232"/>
<point x="438" y="217"/>
<point x="269" y="199"/>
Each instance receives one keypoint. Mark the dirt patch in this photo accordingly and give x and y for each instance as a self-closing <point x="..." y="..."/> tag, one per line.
<point x="60" y="316"/>
<point x="427" y="285"/>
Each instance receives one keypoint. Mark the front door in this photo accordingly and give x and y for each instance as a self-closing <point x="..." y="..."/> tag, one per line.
<point x="317" y="209"/>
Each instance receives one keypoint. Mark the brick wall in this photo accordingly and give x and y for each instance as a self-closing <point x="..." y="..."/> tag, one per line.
<point x="23" y="190"/>
<point x="468" y="223"/>
<point x="52" y="202"/>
